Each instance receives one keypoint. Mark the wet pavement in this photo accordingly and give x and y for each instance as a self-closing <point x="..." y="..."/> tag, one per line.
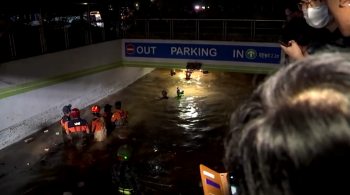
<point x="170" y="139"/>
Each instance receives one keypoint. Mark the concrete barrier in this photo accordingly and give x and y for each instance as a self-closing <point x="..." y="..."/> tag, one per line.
<point x="34" y="90"/>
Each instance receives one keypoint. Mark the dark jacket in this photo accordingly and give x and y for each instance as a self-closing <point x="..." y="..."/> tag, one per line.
<point x="325" y="41"/>
<point x="125" y="177"/>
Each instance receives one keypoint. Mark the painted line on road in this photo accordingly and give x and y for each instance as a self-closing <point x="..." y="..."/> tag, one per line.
<point x="39" y="81"/>
<point x="30" y="86"/>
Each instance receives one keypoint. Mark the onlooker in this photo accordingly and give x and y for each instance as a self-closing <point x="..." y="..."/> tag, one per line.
<point x="292" y="11"/>
<point x="5" y="25"/>
<point x="295" y="132"/>
<point x="341" y="12"/>
<point x="329" y="39"/>
<point x="300" y="32"/>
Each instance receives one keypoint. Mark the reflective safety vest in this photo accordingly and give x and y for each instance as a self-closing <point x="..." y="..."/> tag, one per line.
<point x="119" y="114"/>
<point x="98" y="124"/>
<point x="125" y="190"/>
<point x="64" y="120"/>
<point x="77" y="125"/>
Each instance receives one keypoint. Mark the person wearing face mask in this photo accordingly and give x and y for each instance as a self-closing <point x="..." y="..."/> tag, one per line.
<point x="327" y="37"/>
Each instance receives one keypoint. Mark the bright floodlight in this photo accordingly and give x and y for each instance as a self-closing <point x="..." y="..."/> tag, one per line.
<point x="137" y="4"/>
<point x="196" y="7"/>
<point x="203" y="7"/>
<point x="208" y="7"/>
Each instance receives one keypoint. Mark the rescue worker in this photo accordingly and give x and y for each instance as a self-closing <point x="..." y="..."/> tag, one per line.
<point x="77" y="129"/>
<point x="64" y="120"/>
<point x="66" y="116"/>
<point x="119" y="116"/>
<point x="108" y="115"/>
<point x="179" y="92"/>
<point x="165" y="94"/>
<point x="123" y="174"/>
<point x="188" y="74"/>
<point x="98" y="124"/>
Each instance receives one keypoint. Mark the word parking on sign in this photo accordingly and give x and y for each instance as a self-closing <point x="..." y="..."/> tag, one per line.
<point x="193" y="51"/>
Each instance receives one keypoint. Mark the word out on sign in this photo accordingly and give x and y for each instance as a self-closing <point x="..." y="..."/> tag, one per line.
<point x="146" y="50"/>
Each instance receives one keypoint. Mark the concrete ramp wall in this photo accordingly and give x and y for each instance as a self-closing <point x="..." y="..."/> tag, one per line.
<point x="34" y="90"/>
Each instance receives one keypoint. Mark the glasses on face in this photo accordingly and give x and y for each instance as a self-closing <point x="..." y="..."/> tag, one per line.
<point x="309" y="3"/>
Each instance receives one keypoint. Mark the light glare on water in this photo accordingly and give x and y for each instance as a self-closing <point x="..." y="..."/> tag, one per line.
<point x="170" y="137"/>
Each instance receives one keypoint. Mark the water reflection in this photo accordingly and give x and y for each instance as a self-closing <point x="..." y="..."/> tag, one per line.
<point x="170" y="137"/>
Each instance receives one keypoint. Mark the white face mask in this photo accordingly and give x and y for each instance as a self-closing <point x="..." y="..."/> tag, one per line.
<point x="317" y="17"/>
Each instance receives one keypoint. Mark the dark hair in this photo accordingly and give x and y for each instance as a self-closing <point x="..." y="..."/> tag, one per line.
<point x="248" y="111"/>
<point x="118" y="105"/>
<point x="299" y="140"/>
<point x="107" y="108"/>
<point x="292" y="5"/>
<point x="298" y="30"/>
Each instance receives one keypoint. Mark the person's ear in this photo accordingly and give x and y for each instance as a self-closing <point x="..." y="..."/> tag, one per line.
<point x="343" y="3"/>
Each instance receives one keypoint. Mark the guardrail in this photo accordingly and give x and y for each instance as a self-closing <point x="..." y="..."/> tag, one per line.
<point x="204" y="29"/>
<point x="28" y="41"/>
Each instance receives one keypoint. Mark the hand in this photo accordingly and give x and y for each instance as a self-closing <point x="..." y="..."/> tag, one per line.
<point x="293" y="50"/>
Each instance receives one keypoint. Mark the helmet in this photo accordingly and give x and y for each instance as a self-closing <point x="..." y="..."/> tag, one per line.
<point x="75" y="113"/>
<point x="118" y="104"/>
<point x="95" y="108"/>
<point x="124" y="152"/>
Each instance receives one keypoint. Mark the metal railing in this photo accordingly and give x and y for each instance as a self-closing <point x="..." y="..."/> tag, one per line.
<point x="204" y="29"/>
<point x="28" y="41"/>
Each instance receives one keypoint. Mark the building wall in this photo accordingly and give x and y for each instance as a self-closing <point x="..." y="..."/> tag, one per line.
<point x="34" y="90"/>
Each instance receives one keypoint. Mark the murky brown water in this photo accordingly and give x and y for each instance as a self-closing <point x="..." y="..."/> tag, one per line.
<point x="170" y="139"/>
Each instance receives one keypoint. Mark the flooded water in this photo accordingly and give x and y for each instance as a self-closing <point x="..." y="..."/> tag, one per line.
<point x="170" y="138"/>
